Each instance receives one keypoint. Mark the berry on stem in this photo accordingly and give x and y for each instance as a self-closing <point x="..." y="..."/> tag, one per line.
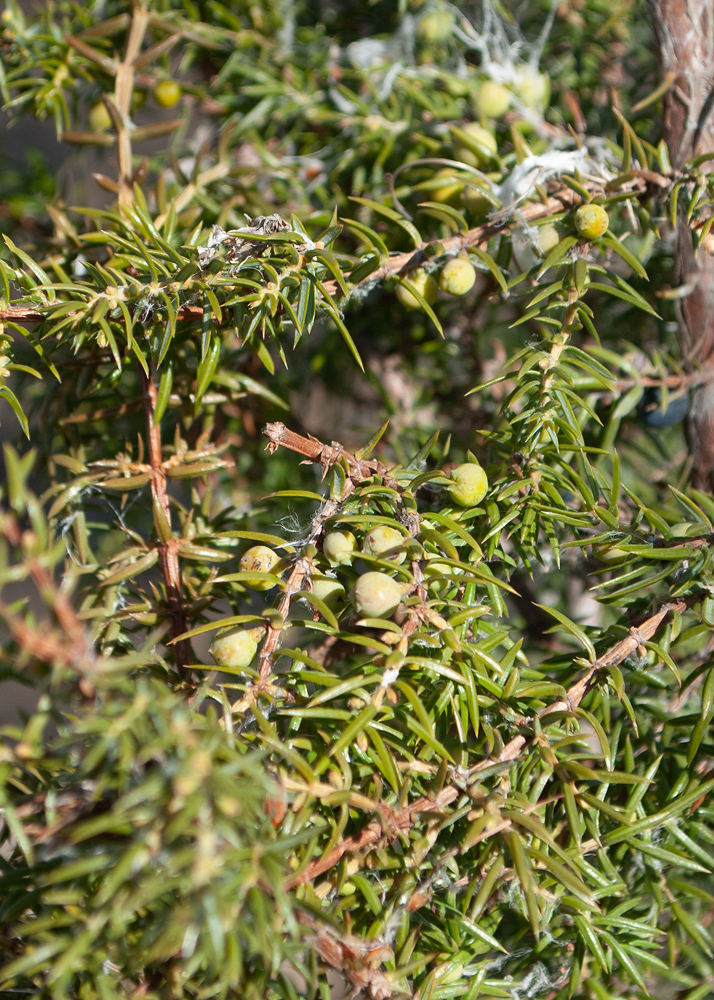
<point x="653" y="414"/>
<point x="446" y="186"/>
<point x="339" y="547"/>
<point x="531" y="86"/>
<point x="327" y="589"/>
<point x="591" y="221"/>
<point x="166" y="93"/>
<point x="383" y="540"/>
<point x="258" y="559"/>
<point x="457" y="276"/>
<point x="235" y="647"/>
<point x="476" y="147"/>
<point x="470" y="485"/>
<point x="424" y="284"/>
<point x="376" y="595"/>
<point x="475" y="201"/>
<point x="492" y="100"/>
<point x="99" y="118"/>
<point x="609" y="553"/>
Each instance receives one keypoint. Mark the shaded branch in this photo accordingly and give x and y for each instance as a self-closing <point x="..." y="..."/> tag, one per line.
<point x="168" y="545"/>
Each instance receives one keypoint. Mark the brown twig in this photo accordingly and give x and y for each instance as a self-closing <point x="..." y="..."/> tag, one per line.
<point x="394" y="823"/>
<point x="167" y="543"/>
<point x="561" y="200"/>
<point x="327" y="455"/>
<point x="294" y="585"/>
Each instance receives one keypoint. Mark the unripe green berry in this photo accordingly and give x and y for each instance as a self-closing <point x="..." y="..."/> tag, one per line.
<point x="470" y="485"/>
<point x="236" y="647"/>
<point x="258" y="559"/>
<point x="492" y="100"/>
<point x="531" y="87"/>
<point x="591" y="221"/>
<point x="339" y="547"/>
<point x="424" y="284"/>
<point x="457" y="276"/>
<point x="376" y="595"/>
<point x="449" y="189"/>
<point x="609" y="553"/>
<point x="166" y="93"/>
<point x="327" y="589"/>
<point x="436" y="26"/>
<point x="382" y="540"/>
<point x="477" y="146"/>
<point x="475" y="201"/>
<point x="99" y="118"/>
<point x="548" y="238"/>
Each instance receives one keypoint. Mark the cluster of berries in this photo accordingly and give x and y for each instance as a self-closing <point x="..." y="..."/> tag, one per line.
<point x="374" y="594"/>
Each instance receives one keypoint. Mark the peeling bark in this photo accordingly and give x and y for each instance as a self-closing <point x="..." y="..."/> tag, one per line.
<point x="685" y="36"/>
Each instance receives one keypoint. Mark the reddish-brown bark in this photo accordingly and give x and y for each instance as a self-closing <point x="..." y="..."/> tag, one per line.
<point x="685" y="37"/>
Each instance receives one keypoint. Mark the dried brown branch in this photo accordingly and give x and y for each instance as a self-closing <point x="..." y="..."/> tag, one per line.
<point x="327" y="455"/>
<point x="167" y="543"/>
<point x="392" y="823"/>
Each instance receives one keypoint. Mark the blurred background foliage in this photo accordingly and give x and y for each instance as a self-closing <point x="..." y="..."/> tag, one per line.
<point x="408" y="796"/>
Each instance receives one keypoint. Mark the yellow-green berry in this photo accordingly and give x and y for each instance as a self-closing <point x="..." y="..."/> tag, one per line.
<point x="475" y="201"/>
<point x="470" y="485"/>
<point x="492" y="100"/>
<point x="376" y="595"/>
<point x="436" y="25"/>
<point x="424" y="284"/>
<point x="236" y="647"/>
<point x="166" y="93"/>
<point x="548" y="238"/>
<point x="591" y="221"/>
<point x="457" y="276"/>
<point x="448" y="189"/>
<point x="382" y="541"/>
<point x="339" y="547"/>
<point x="531" y="87"/>
<point x="258" y="559"/>
<point x="99" y="118"/>
<point x="477" y="146"/>
<point x="327" y="589"/>
<point x="608" y="553"/>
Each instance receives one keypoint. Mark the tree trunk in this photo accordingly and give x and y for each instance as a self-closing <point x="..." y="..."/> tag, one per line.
<point x="685" y="36"/>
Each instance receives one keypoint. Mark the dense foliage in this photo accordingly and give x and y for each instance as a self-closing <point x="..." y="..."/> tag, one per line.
<point x="452" y="734"/>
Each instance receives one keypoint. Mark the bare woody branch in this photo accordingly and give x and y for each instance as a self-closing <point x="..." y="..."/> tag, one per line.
<point x="685" y="37"/>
